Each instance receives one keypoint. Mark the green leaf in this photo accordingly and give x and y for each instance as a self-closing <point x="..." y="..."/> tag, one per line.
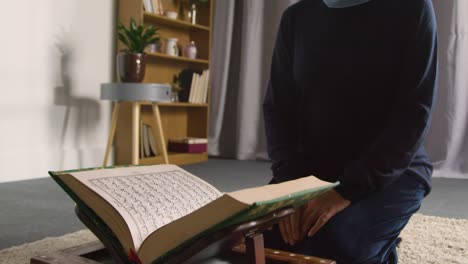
<point x="133" y="25"/>
<point x="137" y="36"/>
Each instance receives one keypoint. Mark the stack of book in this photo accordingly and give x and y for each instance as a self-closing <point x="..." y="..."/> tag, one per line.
<point x="153" y="6"/>
<point x="148" y="147"/>
<point x="199" y="87"/>
<point x="188" y="145"/>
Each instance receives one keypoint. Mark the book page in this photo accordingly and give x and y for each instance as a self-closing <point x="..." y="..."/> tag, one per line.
<point x="149" y="197"/>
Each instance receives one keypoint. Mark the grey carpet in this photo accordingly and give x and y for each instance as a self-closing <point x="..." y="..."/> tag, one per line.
<point x="34" y="209"/>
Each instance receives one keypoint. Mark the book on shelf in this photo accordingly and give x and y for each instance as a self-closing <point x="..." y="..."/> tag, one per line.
<point x="148" y="146"/>
<point x="153" y="212"/>
<point x="157" y="7"/>
<point x="186" y="79"/>
<point x="152" y="140"/>
<point x="199" y="87"/>
<point x="161" y="7"/>
<point x="205" y="89"/>
<point x="193" y="89"/>
<point x="142" y="145"/>
<point x="148" y="6"/>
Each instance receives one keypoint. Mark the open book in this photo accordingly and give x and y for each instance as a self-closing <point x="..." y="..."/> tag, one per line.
<point x="152" y="211"/>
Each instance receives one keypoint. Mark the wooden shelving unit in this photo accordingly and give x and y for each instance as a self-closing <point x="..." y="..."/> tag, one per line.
<point x="162" y="20"/>
<point x="181" y="59"/>
<point x="178" y="119"/>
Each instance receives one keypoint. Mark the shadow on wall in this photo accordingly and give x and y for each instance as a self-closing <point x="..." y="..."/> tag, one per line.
<point x="81" y="115"/>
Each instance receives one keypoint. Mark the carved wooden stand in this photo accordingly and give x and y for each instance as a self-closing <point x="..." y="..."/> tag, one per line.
<point x="252" y="231"/>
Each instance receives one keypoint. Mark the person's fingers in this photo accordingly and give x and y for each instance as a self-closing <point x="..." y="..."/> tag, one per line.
<point x="282" y="229"/>
<point x="295" y="224"/>
<point x="321" y="221"/>
<point x="309" y="220"/>
<point x="289" y="235"/>
<point x="308" y="208"/>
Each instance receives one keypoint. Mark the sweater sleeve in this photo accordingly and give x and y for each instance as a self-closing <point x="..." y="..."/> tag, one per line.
<point x="395" y="148"/>
<point x="280" y="107"/>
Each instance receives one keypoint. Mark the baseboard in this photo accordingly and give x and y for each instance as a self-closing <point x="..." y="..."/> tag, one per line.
<point x="34" y="164"/>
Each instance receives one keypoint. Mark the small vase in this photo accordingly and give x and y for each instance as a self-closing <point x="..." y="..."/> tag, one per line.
<point x="154" y="47"/>
<point x="131" y="66"/>
<point x="171" y="47"/>
<point x="191" y="50"/>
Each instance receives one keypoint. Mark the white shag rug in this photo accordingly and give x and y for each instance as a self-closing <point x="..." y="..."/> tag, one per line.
<point x="426" y="239"/>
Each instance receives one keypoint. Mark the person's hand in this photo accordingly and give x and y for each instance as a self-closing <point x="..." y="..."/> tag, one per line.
<point x="320" y="210"/>
<point x="290" y="227"/>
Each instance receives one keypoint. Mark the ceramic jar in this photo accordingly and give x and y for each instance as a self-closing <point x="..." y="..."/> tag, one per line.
<point x="191" y="50"/>
<point x="171" y="47"/>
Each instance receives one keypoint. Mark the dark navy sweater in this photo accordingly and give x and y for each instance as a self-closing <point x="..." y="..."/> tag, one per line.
<point x="351" y="93"/>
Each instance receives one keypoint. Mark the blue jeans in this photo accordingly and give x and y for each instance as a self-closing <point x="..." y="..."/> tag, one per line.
<point x="366" y="231"/>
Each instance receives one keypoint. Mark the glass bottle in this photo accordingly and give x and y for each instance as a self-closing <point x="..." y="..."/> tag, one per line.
<point x="193" y="13"/>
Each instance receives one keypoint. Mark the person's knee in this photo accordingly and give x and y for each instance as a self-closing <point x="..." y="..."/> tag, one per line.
<point x="340" y="241"/>
<point x="345" y="238"/>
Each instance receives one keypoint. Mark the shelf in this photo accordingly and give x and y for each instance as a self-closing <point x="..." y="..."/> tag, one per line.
<point x="178" y="104"/>
<point x="178" y="119"/>
<point x="182" y="105"/>
<point x="150" y="17"/>
<point x="177" y="58"/>
<point x="177" y="158"/>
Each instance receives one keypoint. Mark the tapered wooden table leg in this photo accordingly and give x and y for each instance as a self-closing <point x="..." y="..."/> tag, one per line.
<point x="135" y="132"/>
<point x="255" y="249"/>
<point x="160" y="136"/>
<point x="115" y="117"/>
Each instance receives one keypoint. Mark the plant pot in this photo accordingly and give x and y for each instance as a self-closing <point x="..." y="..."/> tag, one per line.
<point x="131" y="66"/>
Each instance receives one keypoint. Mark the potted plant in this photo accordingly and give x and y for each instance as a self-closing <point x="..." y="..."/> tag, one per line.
<point x="131" y="62"/>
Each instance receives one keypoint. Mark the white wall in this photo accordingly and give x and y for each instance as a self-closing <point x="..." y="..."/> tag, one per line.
<point x="54" y="55"/>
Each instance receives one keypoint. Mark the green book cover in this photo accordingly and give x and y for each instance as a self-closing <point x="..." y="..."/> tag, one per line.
<point x="250" y="212"/>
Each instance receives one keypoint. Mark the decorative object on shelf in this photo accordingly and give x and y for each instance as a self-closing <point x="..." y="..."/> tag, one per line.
<point x="191" y="50"/>
<point x="193" y="14"/>
<point x="171" y="14"/>
<point x="176" y="88"/>
<point x="188" y="9"/>
<point x="154" y="47"/>
<point x="188" y="145"/>
<point x="171" y="47"/>
<point x="131" y="62"/>
<point x="193" y="9"/>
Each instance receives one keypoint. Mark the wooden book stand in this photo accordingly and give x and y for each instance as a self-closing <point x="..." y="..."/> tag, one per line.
<point x="252" y="231"/>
